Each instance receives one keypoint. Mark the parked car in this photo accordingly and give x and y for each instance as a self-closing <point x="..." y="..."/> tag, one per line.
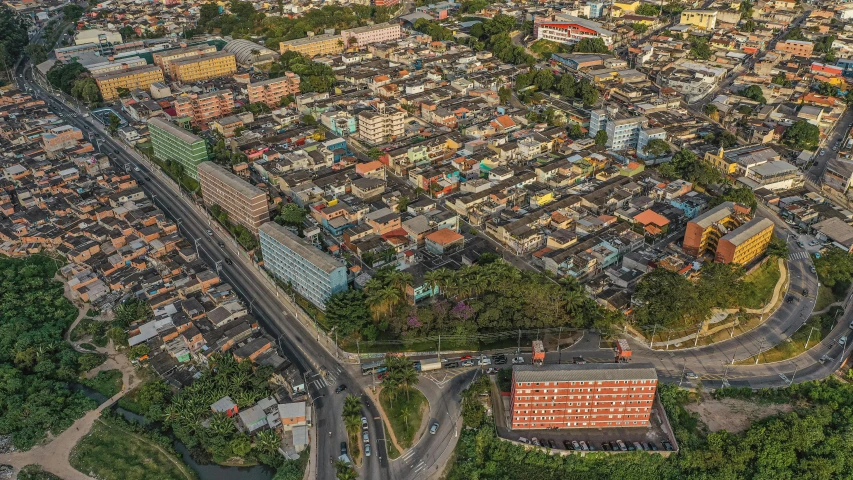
<point x="584" y="446"/>
<point x="466" y="357"/>
<point x="524" y="440"/>
<point x="343" y="448"/>
<point x="578" y="361"/>
<point x="366" y="449"/>
<point x="614" y="446"/>
<point x="568" y="445"/>
<point x="591" y="446"/>
<point x="365" y="437"/>
<point x="576" y="445"/>
<point x="452" y="364"/>
<point x="552" y="444"/>
<point x="433" y="428"/>
<point x="535" y="441"/>
<point x="517" y="361"/>
<point x="228" y="261"/>
<point x="340" y="388"/>
<point x="605" y="446"/>
<point x="691" y="375"/>
<point x="210" y="232"/>
<point x="842" y="340"/>
<point x="621" y="445"/>
<point x="645" y="446"/>
<point x="653" y="446"/>
<point x="668" y="447"/>
<point x="468" y="363"/>
<point x="492" y="371"/>
<point x="485" y="360"/>
<point x="364" y="423"/>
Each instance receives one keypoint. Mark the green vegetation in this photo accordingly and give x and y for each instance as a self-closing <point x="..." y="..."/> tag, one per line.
<point x="433" y="29"/>
<point x="404" y="414"/>
<point x="746" y="10"/>
<point x="243" y="21"/>
<point x="811" y="442"/>
<point x="352" y="422"/>
<point x="835" y="268"/>
<point x="685" y="164"/>
<point x="504" y="379"/>
<point x="13" y="35"/>
<point x="781" y="80"/>
<point x="484" y="297"/>
<point x="795" y="34"/>
<point x="241" y="233"/>
<point x="35" y="472"/>
<point x="813" y="332"/>
<point x="648" y="10"/>
<point x="743" y="195"/>
<point x="670" y="300"/>
<point x="591" y="45"/>
<point x="107" y="382"/>
<point x="754" y="93"/>
<point x="314" y="77"/>
<point x="291" y="215"/>
<point x="117" y="450"/>
<point x="73" y="79"/>
<point x="657" y="148"/>
<point x="699" y="48"/>
<point x="639" y="28"/>
<point x="473" y="410"/>
<point x="723" y="138"/>
<point x="494" y="34"/>
<point x="601" y="138"/>
<point x="544" y="48"/>
<point x="37" y="364"/>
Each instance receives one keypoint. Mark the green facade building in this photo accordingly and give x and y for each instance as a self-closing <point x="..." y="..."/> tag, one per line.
<point x="172" y="142"/>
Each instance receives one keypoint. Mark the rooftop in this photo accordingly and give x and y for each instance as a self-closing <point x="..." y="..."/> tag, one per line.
<point x="587" y="372"/>
<point x="310" y="40"/>
<point x="748" y="230"/>
<point x="174" y="130"/>
<point x="125" y="71"/>
<point x="301" y="247"/>
<point x="232" y="181"/>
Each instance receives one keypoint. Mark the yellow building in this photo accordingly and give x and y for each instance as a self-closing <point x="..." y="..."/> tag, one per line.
<point x="129" y="78"/>
<point x="204" y="67"/>
<point x="162" y="59"/>
<point x="745" y="243"/>
<point x="705" y="19"/>
<point x="313" y="46"/>
<point x="621" y="8"/>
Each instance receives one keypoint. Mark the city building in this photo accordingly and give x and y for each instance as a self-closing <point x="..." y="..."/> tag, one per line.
<point x="385" y="3"/>
<point x="314" y="45"/>
<point x="569" y="29"/>
<point x="171" y="142"/>
<point x="703" y="233"/>
<point x="112" y="65"/>
<point x="366" y="35"/>
<point x="745" y="243"/>
<point x="646" y="136"/>
<point x="623" y="131"/>
<point x="250" y="54"/>
<point x="705" y="19"/>
<point x="381" y="125"/>
<point x="95" y="36"/>
<point x="162" y="59"/>
<point x="246" y="204"/>
<point x="340" y="123"/>
<point x="203" y="67"/>
<point x="775" y="175"/>
<point x="273" y="90"/>
<point x="128" y="78"/>
<point x="737" y="162"/>
<point x="594" y="9"/>
<point x="595" y="395"/>
<point x="203" y="108"/>
<point x="313" y="274"/>
<point x="798" y="48"/>
<point x="61" y="137"/>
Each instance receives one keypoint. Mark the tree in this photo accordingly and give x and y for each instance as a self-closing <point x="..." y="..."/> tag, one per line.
<point x="711" y="111"/>
<point x="601" y="138"/>
<point x="826" y="89"/>
<point x="374" y="153"/>
<point x="835" y="266"/>
<point x="591" y="45"/>
<point x="639" y="28"/>
<point x="544" y="79"/>
<point x="36" y="52"/>
<point x="291" y="214"/>
<point x="746" y="10"/>
<point x="657" y="147"/>
<point x="13" y="35"/>
<point x="781" y="80"/>
<point x="403" y="204"/>
<point x="118" y="336"/>
<point x="648" y="10"/>
<point x="802" y="135"/>
<point x="747" y="26"/>
<point x="504" y="94"/>
<point x="114" y="123"/>
<point x="667" y="298"/>
<point x="574" y="130"/>
<point x="778" y="248"/>
<point x="344" y="472"/>
<point x="699" y="48"/>
<point x="348" y="312"/>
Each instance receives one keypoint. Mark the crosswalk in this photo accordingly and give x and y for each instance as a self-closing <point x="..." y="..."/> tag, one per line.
<point x="322" y="380"/>
<point x="443" y="376"/>
<point x="416" y="465"/>
<point x="799" y="255"/>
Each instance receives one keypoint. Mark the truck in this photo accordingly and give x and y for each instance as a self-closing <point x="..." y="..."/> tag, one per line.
<point x="428" y="364"/>
<point x="538" y="352"/>
<point x="623" y="351"/>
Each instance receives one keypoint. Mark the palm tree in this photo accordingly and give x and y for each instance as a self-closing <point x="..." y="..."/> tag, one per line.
<point x="408" y="376"/>
<point x="344" y="472"/>
<point x="433" y="279"/>
<point x="268" y="441"/>
<point x="400" y="280"/>
<point x="352" y="407"/>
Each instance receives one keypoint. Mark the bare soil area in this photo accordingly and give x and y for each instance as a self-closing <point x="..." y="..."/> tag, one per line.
<point x="733" y="415"/>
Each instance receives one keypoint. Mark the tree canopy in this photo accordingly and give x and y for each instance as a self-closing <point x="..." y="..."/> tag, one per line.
<point x="802" y="135"/>
<point x="13" y="35"/>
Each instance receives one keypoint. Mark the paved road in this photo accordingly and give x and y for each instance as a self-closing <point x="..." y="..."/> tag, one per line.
<point x="837" y="135"/>
<point x="295" y="340"/>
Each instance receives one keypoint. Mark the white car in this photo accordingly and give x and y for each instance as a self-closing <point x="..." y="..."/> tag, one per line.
<point x="364" y="423"/>
<point x="135" y="169"/>
<point x="691" y="375"/>
<point x="842" y="341"/>
<point x="517" y="361"/>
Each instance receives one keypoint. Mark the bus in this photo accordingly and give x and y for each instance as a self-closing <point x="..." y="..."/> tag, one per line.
<point x="375" y="367"/>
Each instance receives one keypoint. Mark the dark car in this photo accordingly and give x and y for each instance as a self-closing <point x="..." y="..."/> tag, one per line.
<point x="228" y="261"/>
<point x="340" y="388"/>
<point x="452" y="364"/>
<point x="578" y="361"/>
<point x="790" y="299"/>
<point x="147" y="178"/>
<point x="568" y="445"/>
<point x="653" y="446"/>
<point x="805" y="292"/>
<point x="221" y="244"/>
<point x="668" y="446"/>
<point x="343" y="448"/>
<point x="605" y="446"/>
<point x="552" y="443"/>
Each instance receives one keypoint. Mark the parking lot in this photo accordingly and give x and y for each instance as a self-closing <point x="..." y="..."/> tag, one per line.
<point x="594" y="436"/>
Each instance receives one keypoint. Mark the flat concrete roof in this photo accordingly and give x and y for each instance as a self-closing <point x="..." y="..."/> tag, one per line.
<point x="748" y="230"/>
<point x="126" y="71"/>
<point x="175" y="130"/>
<point x="242" y="187"/>
<point x="586" y="372"/>
<point x="309" y="40"/>
<point x="309" y="252"/>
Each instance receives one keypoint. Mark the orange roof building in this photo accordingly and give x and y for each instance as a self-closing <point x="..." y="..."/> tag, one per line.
<point x="653" y="222"/>
<point x="444" y="241"/>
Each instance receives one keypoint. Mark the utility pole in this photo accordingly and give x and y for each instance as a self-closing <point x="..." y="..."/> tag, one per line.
<point x="681" y="379"/>
<point x="358" y="348"/>
<point x="518" y="350"/>
<point x="794" y="375"/>
<point x="760" y="346"/>
<point x="699" y="331"/>
<point x="654" y="331"/>
<point x="439" y="347"/>
<point x="559" y="350"/>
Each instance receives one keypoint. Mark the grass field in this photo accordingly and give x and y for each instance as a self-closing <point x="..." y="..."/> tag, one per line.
<point x="111" y="453"/>
<point x="813" y="331"/>
<point x="404" y="414"/>
<point x="107" y="383"/>
<point x="758" y="286"/>
<point x="392" y="450"/>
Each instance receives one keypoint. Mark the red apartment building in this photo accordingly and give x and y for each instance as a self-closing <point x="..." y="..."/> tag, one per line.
<point x="204" y="108"/>
<point x="273" y="90"/>
<point x="582" y="396"/>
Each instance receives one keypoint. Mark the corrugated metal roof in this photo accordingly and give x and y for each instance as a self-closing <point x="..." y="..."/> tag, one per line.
<point x="584" y="373"/>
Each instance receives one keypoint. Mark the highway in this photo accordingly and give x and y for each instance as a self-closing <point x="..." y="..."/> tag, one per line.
<point x="294" y="338"/>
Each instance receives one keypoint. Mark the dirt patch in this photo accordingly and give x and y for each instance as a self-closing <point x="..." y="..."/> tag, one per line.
<point x="733" y="415"/>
